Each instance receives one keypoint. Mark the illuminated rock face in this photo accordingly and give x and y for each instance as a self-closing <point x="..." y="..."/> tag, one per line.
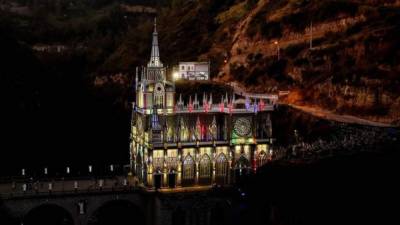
<point x="192" y="140"/>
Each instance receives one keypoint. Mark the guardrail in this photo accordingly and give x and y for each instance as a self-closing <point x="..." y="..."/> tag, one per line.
<point x="62" y="187"/>
<point x="128" y="189"/>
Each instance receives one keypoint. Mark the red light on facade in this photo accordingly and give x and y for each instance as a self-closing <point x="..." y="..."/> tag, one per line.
<point x="221" y="107"/>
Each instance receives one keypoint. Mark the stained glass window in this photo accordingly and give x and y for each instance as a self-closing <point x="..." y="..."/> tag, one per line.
<point x="242" y="127"/>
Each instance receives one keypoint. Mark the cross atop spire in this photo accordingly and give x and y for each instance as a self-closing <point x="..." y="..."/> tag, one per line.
<point x="155" y="24"/>
<point x="155" y="52"/>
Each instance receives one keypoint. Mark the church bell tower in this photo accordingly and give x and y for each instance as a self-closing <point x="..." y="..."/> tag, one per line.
<point x="153" y="91"/>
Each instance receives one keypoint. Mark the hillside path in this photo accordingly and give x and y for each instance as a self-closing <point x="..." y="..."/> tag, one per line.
<point x="329" y="115"/>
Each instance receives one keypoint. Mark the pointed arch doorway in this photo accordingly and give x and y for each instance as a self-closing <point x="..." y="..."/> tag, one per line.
<point x="242" y="169"/>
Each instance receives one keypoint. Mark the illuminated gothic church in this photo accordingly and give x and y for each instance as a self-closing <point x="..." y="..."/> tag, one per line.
<point x="194" y="142"/>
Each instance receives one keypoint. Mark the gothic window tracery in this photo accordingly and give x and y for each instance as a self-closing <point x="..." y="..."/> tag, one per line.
<point x="221" y="165"/>
<point x="262" y="158"/>
<point x="159" y="95"/>
<point x="205" y="167"/>
<point x="158" y="160"/>
<point x="188" y="168"/>
<point x="172" y="160"/>
<point x="242" y="127"/>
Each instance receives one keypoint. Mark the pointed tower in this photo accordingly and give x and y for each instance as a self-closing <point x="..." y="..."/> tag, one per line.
<point x="196" y="103"/>
<point x="155" y="52"/>
<point x="221" y="104"/>
<point x="214" y="128"/>
<point x="190" y="105"/>
<point x="180" y="103"/>
<point x="198" y="128"/>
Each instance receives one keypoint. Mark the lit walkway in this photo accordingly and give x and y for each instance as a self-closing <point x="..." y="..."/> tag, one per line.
<point x="242" y="92"/>
<point x="182" y="189"/>
<point x="62" y="187"/>
<point x="325" y="114"/>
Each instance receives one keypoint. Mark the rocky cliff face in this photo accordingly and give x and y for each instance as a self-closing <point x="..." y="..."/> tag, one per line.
<point x="338" y="55"/>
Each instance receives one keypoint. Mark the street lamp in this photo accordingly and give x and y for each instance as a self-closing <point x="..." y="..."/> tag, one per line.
<point x="277" y="49"/>
<point x="296" y="135"/>
<point x="175" y="76"/>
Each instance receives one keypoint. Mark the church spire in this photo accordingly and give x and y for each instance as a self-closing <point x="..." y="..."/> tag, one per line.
<point x="155" y="52"/>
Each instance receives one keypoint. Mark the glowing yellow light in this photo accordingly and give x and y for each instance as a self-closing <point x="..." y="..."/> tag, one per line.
<point x="175" y="76"/>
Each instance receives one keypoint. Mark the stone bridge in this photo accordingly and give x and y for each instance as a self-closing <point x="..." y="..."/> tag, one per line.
<point x="80" y="207"/>
<point x="170" y="206"/>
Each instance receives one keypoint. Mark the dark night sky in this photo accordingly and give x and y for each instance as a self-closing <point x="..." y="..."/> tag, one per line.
<point x="51" y="118"/>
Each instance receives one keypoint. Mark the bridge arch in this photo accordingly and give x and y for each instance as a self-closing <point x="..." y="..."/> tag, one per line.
<point x="117" y="212"/>
<point x="48" y="214"/>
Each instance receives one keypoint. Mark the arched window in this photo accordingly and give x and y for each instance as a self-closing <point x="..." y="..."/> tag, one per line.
<point x="205" y="167"/>
<point x="159" y="93"/>
<point x="221" y="166"/>
<point x="261" y="159"/>
<point x="188" y="168"/>
<point x="159" y="101"/>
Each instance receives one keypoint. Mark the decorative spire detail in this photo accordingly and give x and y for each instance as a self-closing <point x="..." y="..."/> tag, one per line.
<point x="155" y="52"/>
<point x="196" y="102"/>
<point x="190" y="106"/>
<point x="180" y="102"/>
<point x="221" y="104"/>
